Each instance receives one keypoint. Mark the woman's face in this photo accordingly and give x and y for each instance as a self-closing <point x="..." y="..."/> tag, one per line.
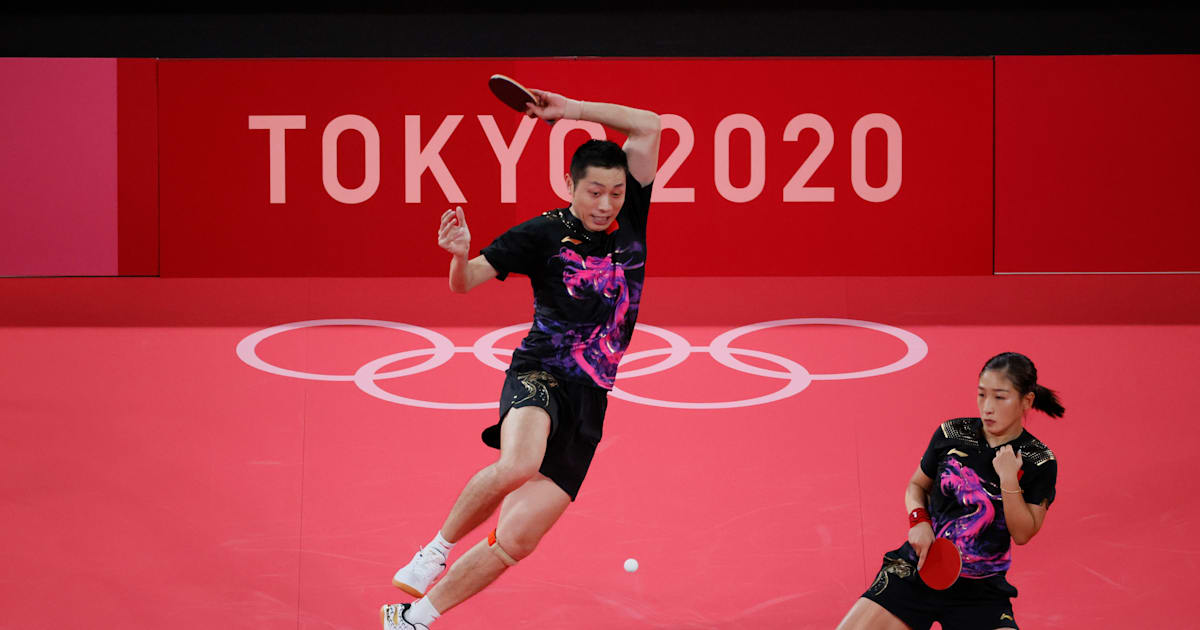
<point x="1000" y="404"/>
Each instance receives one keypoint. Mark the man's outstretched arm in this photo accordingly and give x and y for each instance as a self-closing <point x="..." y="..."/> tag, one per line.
<point x="642" y="128"/>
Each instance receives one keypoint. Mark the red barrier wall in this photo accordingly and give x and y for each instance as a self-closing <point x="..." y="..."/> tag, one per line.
<point x="137" y="167"/>
<point x="769" y="166"/>
<point x="1096" y="163"/>
<point x="1093" y="159"/>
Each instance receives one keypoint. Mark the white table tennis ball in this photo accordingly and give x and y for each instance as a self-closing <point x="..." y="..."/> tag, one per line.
<point x="631" y="565"/>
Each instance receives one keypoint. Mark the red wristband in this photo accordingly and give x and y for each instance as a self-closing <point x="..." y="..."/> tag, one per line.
<point x="917" y="516"/>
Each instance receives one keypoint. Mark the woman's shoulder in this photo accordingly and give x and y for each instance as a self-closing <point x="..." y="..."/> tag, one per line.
<point x="964" y="429"/>
<point x="1034" y="451"/>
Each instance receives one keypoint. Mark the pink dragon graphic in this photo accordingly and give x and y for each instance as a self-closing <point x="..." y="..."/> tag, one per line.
<point x="598" y="353"/>
<point x="981" y="556"/>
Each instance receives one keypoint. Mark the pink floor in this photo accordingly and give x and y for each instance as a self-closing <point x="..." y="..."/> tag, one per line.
<point x="150" y="477"/>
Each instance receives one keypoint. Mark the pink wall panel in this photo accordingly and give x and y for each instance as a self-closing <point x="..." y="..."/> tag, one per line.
<point x="1096" y="163"/>
<point x="58" y="169"/>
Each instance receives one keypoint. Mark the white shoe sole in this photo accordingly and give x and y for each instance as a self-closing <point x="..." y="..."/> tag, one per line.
<point x="407" y="589"/>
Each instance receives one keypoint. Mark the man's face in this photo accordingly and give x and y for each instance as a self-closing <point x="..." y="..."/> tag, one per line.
<point x="598" y="196"/>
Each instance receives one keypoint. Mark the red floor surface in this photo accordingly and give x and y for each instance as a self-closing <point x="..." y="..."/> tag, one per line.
<point x="149" y="477"/>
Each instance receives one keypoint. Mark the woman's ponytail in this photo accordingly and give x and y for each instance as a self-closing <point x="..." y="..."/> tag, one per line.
<point x="1046" y="401"/>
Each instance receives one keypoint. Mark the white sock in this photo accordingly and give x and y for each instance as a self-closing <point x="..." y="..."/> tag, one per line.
<point x="440" y="545"/>
<point x="422" y="612"/>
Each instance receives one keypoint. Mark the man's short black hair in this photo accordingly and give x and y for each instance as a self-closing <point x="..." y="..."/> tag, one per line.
<point x="598" y="153"/>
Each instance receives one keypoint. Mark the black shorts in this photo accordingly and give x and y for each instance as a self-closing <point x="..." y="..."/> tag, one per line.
<point x="970" y="604"/>
<point x="576" y="422"/>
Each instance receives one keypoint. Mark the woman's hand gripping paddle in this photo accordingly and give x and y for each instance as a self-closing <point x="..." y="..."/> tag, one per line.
<point x="942" y="565"/>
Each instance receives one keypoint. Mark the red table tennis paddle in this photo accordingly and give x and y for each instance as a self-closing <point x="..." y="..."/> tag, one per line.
<point x="510" y="92"/>
<point x="942" y="565"/>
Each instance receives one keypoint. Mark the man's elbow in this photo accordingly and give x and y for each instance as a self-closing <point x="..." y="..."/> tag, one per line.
<point x="653" y="124"/>
<point x="646" y="124"/>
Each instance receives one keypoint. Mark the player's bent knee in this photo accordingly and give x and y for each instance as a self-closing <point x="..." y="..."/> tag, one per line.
<point x="504" y="556"/>
<point x="518" y="543"/>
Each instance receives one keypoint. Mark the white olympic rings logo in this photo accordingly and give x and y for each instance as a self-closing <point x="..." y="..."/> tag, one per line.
<point x="678" y="349"/>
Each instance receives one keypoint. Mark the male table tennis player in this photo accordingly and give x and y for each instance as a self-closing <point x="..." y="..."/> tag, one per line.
<point x="586" y="265"/>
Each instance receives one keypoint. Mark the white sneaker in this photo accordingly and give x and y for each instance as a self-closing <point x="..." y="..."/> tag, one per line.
<point x="420" y="572"/>
<point x="392" y="616"/>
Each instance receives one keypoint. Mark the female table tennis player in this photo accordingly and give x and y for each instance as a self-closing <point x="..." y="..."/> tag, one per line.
<point x="982" y="483"/>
